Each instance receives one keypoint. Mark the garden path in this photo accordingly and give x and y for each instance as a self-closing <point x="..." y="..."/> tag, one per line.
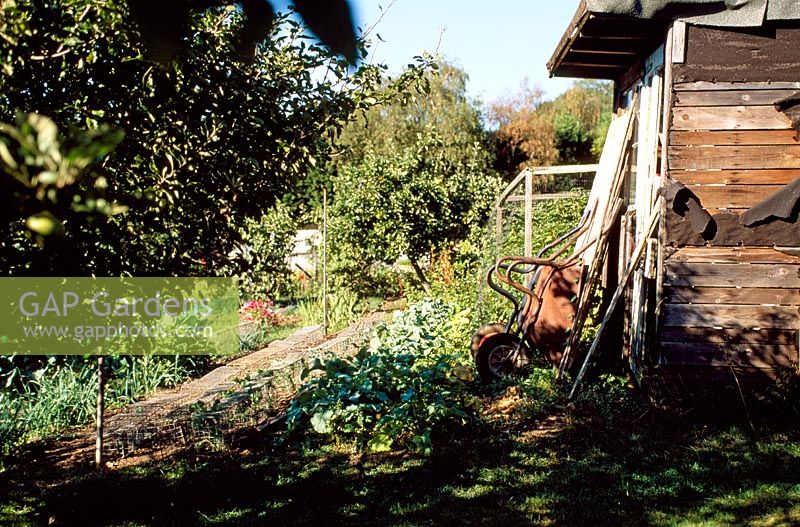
<point x="241" y="393"/>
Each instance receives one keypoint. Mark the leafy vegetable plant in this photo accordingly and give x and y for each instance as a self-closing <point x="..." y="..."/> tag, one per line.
<point x="407" y="381"/>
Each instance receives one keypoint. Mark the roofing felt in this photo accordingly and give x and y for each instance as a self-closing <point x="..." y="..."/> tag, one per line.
<point x="727" y="13"/>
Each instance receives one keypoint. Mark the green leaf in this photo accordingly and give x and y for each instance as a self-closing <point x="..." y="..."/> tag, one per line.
<point x="380" y="442"/>
<point x="320" y="421"/>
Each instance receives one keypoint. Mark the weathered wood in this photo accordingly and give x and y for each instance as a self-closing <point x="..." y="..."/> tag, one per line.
<point x="734" y="137"/>
<point x="699" y="354"/>
<point x="731" y="275"/>
<point x="738" y="211"/>
<point x="730" y="295"/>
<point x="729" y="118"/>
<point x="694" y="374"/>
<point x="730" y="97"/>
<point x="732" y="196"/>
<point x="740" y="54"/>
<point x="718" y="86"/>
<point x="543" y="197"/>
<point x="729" y="316"/>
<point x="727" y="231"/>
<point x="618" y="293"/>
<point x="736" y="177"/>
<point x="770" y="336"/>
<point x="677" y="53"/>
<point x="528" y="214"/>
<point x="731" y="255"/>
<point x="734" y="157"/>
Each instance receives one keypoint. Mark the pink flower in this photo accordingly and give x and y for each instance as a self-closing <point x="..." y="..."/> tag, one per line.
<point x="259" y="310"/>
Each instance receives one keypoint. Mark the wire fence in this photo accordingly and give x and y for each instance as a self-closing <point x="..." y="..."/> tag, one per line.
<point x="537" y="207"/>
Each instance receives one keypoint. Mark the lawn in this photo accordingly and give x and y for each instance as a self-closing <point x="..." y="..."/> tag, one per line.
<point x="602" y="461"/>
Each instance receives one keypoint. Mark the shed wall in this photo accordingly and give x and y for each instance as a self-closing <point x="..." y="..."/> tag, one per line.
<point x="731" y="299"/>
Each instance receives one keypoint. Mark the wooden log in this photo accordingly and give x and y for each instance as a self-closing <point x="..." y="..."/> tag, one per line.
<point x="730" y="97"/>
<point x="733" y="137"/>
<point x="732" y="295"/>
<point x="733" y="275"/>
<point x="731" y="255"/>
<point x="734" y="157"/>
<point x="729" y="118"/>
<point x="736" y="177"/>
<point x="771" y="336"/>
<point x="729" y="316"/>
<point x="757" y="356"/>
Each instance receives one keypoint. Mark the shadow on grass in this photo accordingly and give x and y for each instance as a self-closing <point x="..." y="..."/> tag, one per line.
<point x="598" y="469"/>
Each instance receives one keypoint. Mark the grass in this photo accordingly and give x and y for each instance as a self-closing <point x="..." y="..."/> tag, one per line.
<point x="610" y="467"/>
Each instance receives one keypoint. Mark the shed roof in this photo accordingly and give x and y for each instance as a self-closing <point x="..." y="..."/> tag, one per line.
<point x="606" y="37"/>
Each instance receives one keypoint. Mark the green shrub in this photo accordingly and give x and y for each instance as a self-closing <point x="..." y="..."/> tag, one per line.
<point x="260" y="260"/>
<point x="397" y="390"/>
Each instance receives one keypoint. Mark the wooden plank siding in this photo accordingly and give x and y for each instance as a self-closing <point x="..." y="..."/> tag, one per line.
<point x="732" y="157"/>
<point x="735" y="55"/>
<point x="729" y="118"/>
<point x="727" y="141"/>
<point x="730" y="306"/>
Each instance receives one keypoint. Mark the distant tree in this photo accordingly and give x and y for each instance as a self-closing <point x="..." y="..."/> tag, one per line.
<point x="441" y="106"/>
<point x="588" y="103"/>
<point x="414" y="175"/>
<point x="524" y="135"/>
<point x="530" y="131"/>
<point x="415" y="202"/>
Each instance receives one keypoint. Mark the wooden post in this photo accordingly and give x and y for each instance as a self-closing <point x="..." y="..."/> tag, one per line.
<point x="528" y="214"/>
<point x="498" y="227"/>
<point x="99" y="420"/>
<point x="324" y="261"/>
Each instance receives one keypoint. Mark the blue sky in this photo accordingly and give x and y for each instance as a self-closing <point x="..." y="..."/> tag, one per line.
<point x="498" y="43"/>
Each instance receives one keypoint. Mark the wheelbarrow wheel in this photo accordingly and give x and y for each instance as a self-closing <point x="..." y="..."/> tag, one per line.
<point x="480" y="336"/>
<point x="494" y="358"/>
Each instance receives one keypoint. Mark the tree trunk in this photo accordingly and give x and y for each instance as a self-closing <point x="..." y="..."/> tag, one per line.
<point x="426" y="286"/>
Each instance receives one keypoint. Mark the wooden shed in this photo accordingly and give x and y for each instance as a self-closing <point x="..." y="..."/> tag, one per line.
<point x="705" y="148"/>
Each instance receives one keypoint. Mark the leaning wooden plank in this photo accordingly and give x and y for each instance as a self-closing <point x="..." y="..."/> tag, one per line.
<point x="756" y="356"/>
<point x="732" y="295"/>
<point x="633" y="264"/>
<point x="727" y="316"/>
<point x="736" y="177"/>
<point x="604" y="196"/>
<point x="769" y="336"/>
<point x="733" y="137"/>
<point x="729" y="118"/>
<point x="733" y="275"/>
<point x="608" y="178"/>
<point x="734" y="157"/>
<point x="731" y="255"/>
<point x="730" y="97"/>
<point x="715" y="86"/>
